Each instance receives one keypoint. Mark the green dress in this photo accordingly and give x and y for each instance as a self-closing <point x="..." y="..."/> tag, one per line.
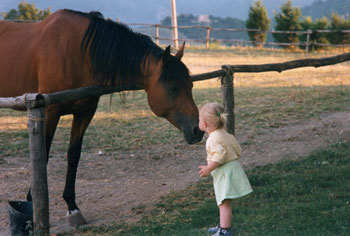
<point x="230" y="181"/>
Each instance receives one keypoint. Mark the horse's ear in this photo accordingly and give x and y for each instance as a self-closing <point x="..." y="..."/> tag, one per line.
<point x="180" y="53"/>
<point x="166" y="54"/>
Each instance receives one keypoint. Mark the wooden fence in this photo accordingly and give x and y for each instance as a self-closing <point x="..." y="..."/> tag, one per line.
<point x="36" y="104"/>
<point x="209" y="29"/>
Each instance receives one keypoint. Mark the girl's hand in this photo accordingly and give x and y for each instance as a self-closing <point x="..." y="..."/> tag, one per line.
<point x="204" y="171"/>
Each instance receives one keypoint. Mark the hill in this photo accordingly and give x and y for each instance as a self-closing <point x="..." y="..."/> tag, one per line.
<point x="322" y="8"/>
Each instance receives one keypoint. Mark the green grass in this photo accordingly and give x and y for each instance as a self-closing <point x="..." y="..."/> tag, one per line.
<point x="307" y="196"/>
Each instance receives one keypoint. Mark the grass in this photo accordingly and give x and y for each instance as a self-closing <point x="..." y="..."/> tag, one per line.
<point x="307" y="196"/>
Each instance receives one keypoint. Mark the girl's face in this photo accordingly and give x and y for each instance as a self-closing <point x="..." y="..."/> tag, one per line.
<point x="202" y="124"/>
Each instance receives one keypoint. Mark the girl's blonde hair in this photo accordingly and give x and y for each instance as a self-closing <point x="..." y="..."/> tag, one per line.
<point x="213" y="113"/>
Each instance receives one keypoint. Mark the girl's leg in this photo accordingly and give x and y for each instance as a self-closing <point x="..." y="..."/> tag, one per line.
<point x="225" y="213"/>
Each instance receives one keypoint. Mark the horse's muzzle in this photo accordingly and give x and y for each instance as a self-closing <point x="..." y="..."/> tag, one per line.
<point x="193" y="135"/>
<point x="189" y="127"/>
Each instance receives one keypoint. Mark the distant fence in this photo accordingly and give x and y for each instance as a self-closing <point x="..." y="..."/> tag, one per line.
<point x="207" y="40"/>
<point x="37" y="103"/>
<point x="241" y="42"/>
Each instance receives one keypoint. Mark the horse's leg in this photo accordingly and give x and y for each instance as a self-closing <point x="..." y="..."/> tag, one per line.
<point x="51" y="121"/>
<point x="80" y="123"/>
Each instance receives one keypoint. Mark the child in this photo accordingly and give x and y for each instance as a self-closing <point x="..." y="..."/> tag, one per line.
<point x="223" y="152"/>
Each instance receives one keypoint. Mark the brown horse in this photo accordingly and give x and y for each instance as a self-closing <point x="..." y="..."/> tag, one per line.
<point x="72" y="49"/>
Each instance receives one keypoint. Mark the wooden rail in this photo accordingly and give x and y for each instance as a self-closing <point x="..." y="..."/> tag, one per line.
<point x="36" y="103"/>
<point x="279" y="67"/>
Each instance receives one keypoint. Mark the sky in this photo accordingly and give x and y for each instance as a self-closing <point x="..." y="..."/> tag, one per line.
<point x="153" y="11"/>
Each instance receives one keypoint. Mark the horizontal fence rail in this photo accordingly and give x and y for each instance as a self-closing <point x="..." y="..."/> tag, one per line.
<point x="278" y="67"/>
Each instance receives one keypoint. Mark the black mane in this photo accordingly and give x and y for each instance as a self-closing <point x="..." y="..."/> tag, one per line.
<point x="115" y="50"/>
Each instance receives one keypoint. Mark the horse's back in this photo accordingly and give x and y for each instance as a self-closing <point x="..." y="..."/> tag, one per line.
<point x="41" y="56"/>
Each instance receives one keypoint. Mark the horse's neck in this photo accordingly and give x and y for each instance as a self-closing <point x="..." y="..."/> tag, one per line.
<point x="150" y="70"/>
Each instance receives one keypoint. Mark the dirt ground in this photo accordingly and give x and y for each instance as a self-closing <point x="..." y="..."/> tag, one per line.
<point x="109" y="187"/>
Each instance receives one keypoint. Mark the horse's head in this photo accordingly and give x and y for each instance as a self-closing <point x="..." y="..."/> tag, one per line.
<point x="170" y="95"/>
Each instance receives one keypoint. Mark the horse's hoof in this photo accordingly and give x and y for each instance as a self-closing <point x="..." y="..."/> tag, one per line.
<point x="75" y="218"/>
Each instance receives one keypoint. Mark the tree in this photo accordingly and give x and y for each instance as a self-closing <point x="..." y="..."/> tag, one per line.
<point x="315" y="37"/>
<point x="338" y="24"/>
<point x="287" y="20"/>
<point x="258" y="19"/>
<point x="27" y="11"/>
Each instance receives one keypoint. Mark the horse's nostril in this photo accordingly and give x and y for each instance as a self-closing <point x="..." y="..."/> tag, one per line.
<point x="196" y="130"/>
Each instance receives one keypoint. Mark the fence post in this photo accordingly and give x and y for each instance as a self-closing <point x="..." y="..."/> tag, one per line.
<point x="157" y="34"/>
<point x="39" y="188"/>
<point x="228" y="98"/>
<point x="174" y="24"/>
<point x="308" y="33"/>
<point x="208" y="36"/>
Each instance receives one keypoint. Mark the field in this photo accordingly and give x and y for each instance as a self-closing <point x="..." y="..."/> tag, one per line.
<point x="131" y="157"/>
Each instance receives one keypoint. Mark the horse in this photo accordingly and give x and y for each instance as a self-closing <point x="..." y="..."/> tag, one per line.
<point x="72" y="49"/>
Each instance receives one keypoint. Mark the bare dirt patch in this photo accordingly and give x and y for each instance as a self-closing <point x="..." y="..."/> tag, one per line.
<point x="115" y="187"/>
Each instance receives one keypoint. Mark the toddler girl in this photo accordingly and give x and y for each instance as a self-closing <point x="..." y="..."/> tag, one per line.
<point x="223" y="152"/>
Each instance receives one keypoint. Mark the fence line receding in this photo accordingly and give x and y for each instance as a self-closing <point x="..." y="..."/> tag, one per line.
<point x="307" y="43"/>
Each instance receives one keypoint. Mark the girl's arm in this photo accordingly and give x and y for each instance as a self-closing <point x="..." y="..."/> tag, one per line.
<point x="206" y="170"/>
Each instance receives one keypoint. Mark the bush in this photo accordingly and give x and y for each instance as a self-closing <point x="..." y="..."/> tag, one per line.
<point x="338" y="24"/>
<point x="315" y="37"/>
